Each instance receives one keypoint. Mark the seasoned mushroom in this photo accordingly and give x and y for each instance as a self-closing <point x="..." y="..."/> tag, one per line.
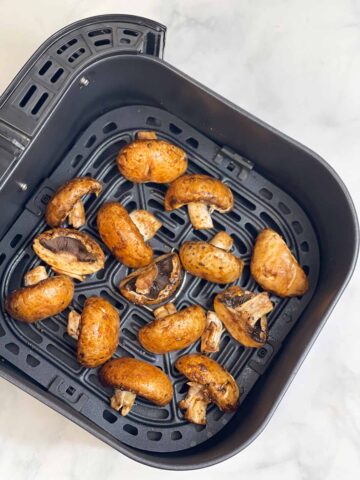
<point x="97" y="331"/>
<point x="202" y="194"/>
<point x="210" y="339"/>
<point x="275" y="268"/>
<point x="209" y="383"/>
<point x="42" y="297"/>
<point x="211" y="262"/>
<point x="131" y="377"/>
<point x="126" y="235"/>
<point x="70" y="252"/>
<point x="244" y="315"/>
<point x="148" y="159"/>
<point x="66" y="202"/>
<point x="155" y="283"/>
<point x="172" y="330"/>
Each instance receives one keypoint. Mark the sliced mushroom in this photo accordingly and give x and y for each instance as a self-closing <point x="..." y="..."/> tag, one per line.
<point x="210" y="262"/>
<point x="210" y="339"/>
<point x="244" y="315"/>
<point x="209" y="383"/>
<point x="148" y="159"/>
<point x="202" y="194"/>
<point x="155" y="283"/>
<point x="96" y="330"/>
<point x="274" y="267"/>
<point x="42" y="297"/>
<point x="66" y="202"/>
<point x="174" y="330"/>
<point x="70" y="252"/>
<point x="125" y="235"/>
<point x="131" y="377"/>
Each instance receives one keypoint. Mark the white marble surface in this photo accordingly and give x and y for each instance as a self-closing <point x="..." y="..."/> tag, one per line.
<point x="295" y="64"/>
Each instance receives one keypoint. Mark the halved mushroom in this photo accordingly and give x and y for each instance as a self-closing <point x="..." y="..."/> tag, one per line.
<point x="70" y="252"/>
<point x="244" y="315"/>
<point x="148" y="159"/>
<point x="42" y="297"/>
<point x="97" y="331"/>
<point x="172" y="330"/>
<point x="131" y="377"/>
<point x="210" y="339"/>
<point x="155" y="283"/>
<point x="202" y="194"/>
<point x="66" y="202"/>
<point x="126" y="235"/>
<point x="209" y="383"/>
<point x="275" y="268"/>
<point x="211" y="262"/>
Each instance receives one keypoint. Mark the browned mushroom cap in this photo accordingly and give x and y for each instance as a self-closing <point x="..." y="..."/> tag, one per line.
<point x="97" y="331"/>
<point x="200" y="193"/>
<point x="122" y="233"/>
<point x="205" y="260"/>
<point x="66" y="202"/>
<point x="244" y="315"/>
<point x="155" y="283"/>
<point x="209" y="382"/>
<point x="131" y="377"/>
<point x="275" y="268"/>
<point x="70" y="252"/>
<point x="150" y="160"/>
<point x="41" y="298"/>
<point x="174" y="331"/>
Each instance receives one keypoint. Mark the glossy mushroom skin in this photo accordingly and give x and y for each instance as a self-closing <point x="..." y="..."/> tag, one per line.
<point x="211" y="263"/>
<point x="138" y="377"/>
<point x="274" y="267"/>
<point x="122" y="237"/>
<point x="151" y="160"/>
<point x="221" y="388"/>
<point x="70" y="252"/>
<point x="173" y="332"/>
<point x="41" y="300"/>
<point x="161" y="287"/>
<point x="67" y="196"/>
<point x="98" y="332"/>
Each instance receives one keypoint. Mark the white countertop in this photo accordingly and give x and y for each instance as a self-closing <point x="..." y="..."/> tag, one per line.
<point x="296" y="65"/>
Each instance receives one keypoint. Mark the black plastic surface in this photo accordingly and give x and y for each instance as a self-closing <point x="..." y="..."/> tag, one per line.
<point x="45" y="352"/>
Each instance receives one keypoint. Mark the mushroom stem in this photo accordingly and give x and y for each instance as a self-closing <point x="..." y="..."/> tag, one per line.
<point x="222" y="240"/>
<point x="200" y="216"/>
<point x="73" y="325"/>
<point x="146" y="223"/>
<point x="146" y="135"/>
<point x="165" y="310"/>
<point x="255" y="308"/>
<point x="195" y="403"/>
<point x="210" y="339"/>
<point x="122" y="401"/>
<point x="76" y="216"/>
<point x="34" y="276"/>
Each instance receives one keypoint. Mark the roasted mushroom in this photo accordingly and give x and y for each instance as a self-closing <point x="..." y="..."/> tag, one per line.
<point x="70" y="252"/>
<point x="212" y="261"/>
<point x="209" y="383"/>
<point x="126" y="235"/>
<point x="131" y="377"/>
<point x="155" y="283"/>
<point x="148" y="159"/>
<point x="66" y="202"/>
<point x="202" y="194"/>
<point x="97" y="331"/>
<point x="274" y="267"/>
<point x="42" y="297"/>
<point x="244" y="315"/>
<point x="172" y="330"/>
<point x="210" y="339"/>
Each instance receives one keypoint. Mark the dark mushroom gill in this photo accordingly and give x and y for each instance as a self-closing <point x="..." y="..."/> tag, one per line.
<point x="69" y="245"/>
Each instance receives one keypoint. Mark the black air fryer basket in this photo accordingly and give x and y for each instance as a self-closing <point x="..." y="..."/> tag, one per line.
<point x="82" y="96"/>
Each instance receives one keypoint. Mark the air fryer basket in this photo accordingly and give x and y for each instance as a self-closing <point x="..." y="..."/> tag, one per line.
<point x="109" y="88"/>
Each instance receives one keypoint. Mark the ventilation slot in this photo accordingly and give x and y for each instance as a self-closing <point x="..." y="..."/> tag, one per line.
<point x="2" y="331"/>
<point x="130" y="429"/>
<point x="297" y="227"/>
<point x="306" y="269"/>
<point x="98" y="33"/>
<point x="45" y="68"/>
<point x="32" y="361"/>
<point x="283" y="208"/>
<point x="264" y="192"/>
<point x="13" y="348"/>
<point x="245" y="202"/>
<point x="239" y="244"/>
<point x="304" y="247"/>
<point x="270" y="222"/>
<point x="2" y="258"/>
<point x="66" y="46"/>
<point x="154" y="436"/>
<point x="15" y="240"/>
<point x="70" y="391"/>
<point x="76" y="160"/>
<point x="102" y="43"/>
<point x="40" y="103"/>
<point x="124" y="40"/>
<point x="154" y="122"/>
<point x="174" y="129"/>
<point x="192" y="142"/>
<point x="252" y="230"/>
<point x="111" y="173"/>
<point x="245" y="275"/>
<point x="176" y="435"/>
<point x="109" y="127"/>
<point x="57" y="75"/>
<point x="231" y="167"/>
<point x="52" y="325"/>
<point x="129" y="335"/>
<point x="63" y="357"/>
<point x="109" y="416"/>
<point x="76" y="55"/>
<point x="150" y="44"/>
<point x="168" y="233"/>
<point x="25" y="100"/>
<point x="90" y="142"/>
<point x="29" y="331"/>
<point x="131" y="33"/>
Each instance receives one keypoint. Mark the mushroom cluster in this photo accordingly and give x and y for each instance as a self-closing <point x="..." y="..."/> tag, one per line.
<point x="73" y="254"/>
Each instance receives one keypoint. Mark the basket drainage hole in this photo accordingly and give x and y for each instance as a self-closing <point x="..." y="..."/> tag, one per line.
<point x="174" y="129"/>
<point x="70" y="390"/>
<point x="45" y="68"/>
<point x="306" y="269"/>
<point x="264" y="192"/>
<point x="284" y="208"/>
<point x="270" y="222"/>
<point x="97" y="33"/>
<point x="154" y="122"/>
<point x="176" y="435"/>
<point x="57" y="75"/>
<point x="130" y="429"/>
<point x="304" y="247"/>
<point x="39" y="103"/>
<point x="129" y="334"/>
<point x="297" y="227"/>
<point x="76" y="160"/>
<point x="15" y="240"/>
<point x="2" y="258"/>
<point x="27" y="96"/>
<point x="131" y="33"/>
<point x="109" y="416"/>
<point x="192" y="142"/>
<point x="109" y="127"/>
<point x="154" y="436"/>
<point x="13" y="348"/>
<point x="100" y="43"/>
<point x="124" y="40"/>
<point x="90" y="142"/>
